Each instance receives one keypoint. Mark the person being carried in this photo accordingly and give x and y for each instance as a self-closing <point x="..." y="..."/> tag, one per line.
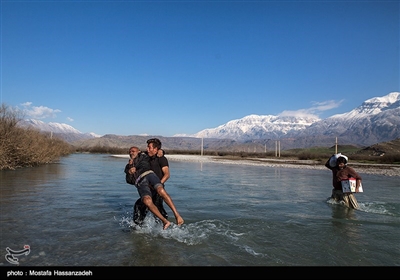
<point x="340" y="172"/>
<point x="139" y="208"/>
<point x="144" y="179"/>
<point x="159" y="164"/>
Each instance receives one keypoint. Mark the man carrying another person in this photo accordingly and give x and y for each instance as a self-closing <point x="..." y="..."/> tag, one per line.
<point x="148" y="174"/>
<point x="159" y="164"/>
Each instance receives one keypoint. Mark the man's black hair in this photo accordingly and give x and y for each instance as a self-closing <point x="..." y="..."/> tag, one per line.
<point x="156" y="142"/>
<point x="340" y="160"/>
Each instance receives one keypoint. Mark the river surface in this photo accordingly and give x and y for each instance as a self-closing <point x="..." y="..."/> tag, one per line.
<point x="78" y="212"/>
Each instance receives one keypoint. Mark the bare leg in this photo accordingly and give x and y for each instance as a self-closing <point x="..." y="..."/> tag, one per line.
<point x="163" y="193"/>
<point x="149" y="203"/>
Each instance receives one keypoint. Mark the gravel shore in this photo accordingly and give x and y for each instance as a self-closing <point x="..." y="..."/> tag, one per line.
<point x="379" y="169"/>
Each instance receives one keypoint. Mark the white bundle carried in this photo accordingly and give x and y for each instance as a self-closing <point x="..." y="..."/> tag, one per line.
<point x="333" y="159"/>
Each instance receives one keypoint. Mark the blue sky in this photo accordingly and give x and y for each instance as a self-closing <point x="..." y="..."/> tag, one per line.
<point x="178" y="67"/>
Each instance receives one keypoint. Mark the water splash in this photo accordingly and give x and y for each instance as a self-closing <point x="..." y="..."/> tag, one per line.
<point x="380" y="208"/>
<point x="190" y="234"/>
<point x="252" y="252"/>
<point x="373" y="207"/>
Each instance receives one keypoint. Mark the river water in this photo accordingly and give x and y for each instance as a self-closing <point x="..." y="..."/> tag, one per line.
<point x="78" y="212"/>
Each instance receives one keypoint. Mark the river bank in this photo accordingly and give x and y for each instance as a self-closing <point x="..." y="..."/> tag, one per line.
<point x="379" y="169"/>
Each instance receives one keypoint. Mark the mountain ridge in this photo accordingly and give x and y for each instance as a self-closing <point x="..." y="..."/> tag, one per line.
<point x="375" y="120"/>
<point x="372" y="118"/>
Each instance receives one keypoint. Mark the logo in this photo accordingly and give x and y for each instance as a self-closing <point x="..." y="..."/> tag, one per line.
<point x="10" y="256"/>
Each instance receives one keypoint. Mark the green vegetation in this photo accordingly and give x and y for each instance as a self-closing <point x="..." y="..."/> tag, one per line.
<point x="315" y="153"/>
<point x="25" y="147"/>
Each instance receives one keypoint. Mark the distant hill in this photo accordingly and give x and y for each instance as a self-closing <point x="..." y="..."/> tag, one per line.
<point x="376" y="120"/>
<point x="381" y="149"/>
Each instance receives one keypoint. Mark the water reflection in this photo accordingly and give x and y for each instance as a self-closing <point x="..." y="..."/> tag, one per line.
<point x="340" y="212"/>
<point x="345" y="222"/>
<point x="31" y="174"/>
<point x="28" y="179"/>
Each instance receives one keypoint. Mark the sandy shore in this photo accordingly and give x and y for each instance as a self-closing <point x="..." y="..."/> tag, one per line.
<point x="379" y="169"/>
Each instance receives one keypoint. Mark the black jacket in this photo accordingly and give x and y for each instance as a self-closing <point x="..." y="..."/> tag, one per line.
<point x="141" y="163"/>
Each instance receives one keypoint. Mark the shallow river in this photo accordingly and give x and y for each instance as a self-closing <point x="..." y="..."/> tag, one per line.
<point x="78" y="212"/>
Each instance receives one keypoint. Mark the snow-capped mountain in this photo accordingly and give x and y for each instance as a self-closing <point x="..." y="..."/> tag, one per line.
<point x="51" y="126"/>
<point x="257" y="127"/>
<point x="63" y="130"/>
<point x="375" y="120"/>
<point x="372" y="106"/>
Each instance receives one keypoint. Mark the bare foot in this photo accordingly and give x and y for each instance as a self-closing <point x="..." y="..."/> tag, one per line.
<point x="179" y="220"/>
<point x="166" y="224"/>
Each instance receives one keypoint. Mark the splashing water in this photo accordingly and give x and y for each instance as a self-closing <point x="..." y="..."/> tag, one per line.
<point x="190" y="234"/>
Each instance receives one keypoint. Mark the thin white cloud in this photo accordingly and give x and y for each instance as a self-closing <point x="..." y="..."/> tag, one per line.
<point x="326" y="105"/>
<point x="304" y="113"/>
<point x="315" y="110"/>
<point x="40" y="112"/>
<point x="70" y="119"/>
<point x="26" y="104"/>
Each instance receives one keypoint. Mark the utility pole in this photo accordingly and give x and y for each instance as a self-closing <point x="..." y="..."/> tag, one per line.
<point x="201" y="146"/>
<point x="336" y="146"/>
<point x="279" y="144"/>
<point x="277" y="148"/>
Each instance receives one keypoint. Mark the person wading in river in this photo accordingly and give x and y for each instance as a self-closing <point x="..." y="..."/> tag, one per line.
<point x="159" y="164"/>
<point x="340" y="172"/>
<point x="138" y="171"/>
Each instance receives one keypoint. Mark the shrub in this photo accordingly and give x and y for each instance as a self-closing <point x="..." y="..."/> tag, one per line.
<point x="24" y="147"/>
